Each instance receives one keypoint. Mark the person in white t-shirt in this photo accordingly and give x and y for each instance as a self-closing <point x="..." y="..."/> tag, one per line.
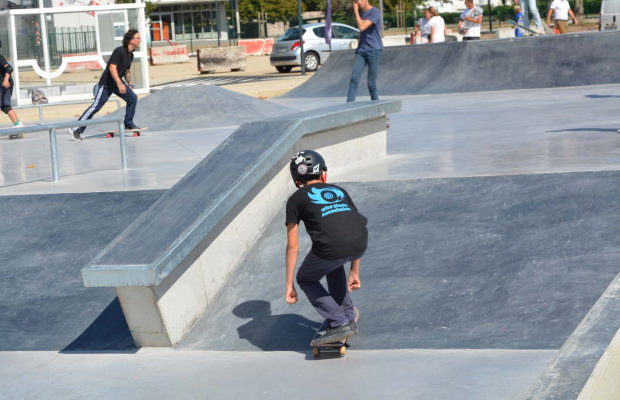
<point x="423" y="27"/>
<point x="438" y="27"/>
<point x="470" y="22"/>
<point x="561" y="9"/>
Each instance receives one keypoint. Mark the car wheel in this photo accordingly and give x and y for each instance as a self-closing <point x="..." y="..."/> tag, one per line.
<point x="312" y="61"/>
<point x="284" y="69"/>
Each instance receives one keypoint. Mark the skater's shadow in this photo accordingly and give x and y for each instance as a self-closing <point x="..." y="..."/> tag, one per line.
<point x="611" y="130"/>
<point x="600" y="96"/>
<point x="284" y="332"/>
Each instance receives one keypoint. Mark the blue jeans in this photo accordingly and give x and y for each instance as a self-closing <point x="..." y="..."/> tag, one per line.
<point x="363" y="58"/>
<point x="531" y="4"/>
<point x="334" y="304"/>
<point x="102" y="96"/>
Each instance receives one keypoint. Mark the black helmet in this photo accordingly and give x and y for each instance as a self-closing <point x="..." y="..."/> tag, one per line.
<point x="307" y="165"/>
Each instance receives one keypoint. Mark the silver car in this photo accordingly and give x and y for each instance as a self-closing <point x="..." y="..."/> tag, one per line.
<point x="286" y="52"/>
<point x="610" y="15"/>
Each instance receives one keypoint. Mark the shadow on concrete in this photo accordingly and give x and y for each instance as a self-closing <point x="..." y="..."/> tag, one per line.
<point x="284" y="332"/>
<point x="109" y="332"/>
<point x="601" y="96"/>
<point x="612" y="130"/>
<point x="46" y="240"/>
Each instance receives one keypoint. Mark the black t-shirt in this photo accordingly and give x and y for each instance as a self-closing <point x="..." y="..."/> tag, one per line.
<point x="122" y="58"/>
<point x="3" y="67"/>
<point x="335" y="226"/>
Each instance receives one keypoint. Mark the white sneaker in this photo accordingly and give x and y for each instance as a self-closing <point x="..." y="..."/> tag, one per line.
<point x="76" y="134"/>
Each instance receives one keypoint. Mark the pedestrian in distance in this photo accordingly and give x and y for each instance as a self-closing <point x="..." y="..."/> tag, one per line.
<point x="560" y="10"/>
<point x="470" y="21"/>
<point x="438" y="26"/>
<point x="519" y="21"/>
<point x="6" y="91"/>
<point x="369" y="48"/>
<point x="111" y="82"/>
<point x="423" y="27"/>
<point x="533" y="10"/>
<point x="339" y="235"/>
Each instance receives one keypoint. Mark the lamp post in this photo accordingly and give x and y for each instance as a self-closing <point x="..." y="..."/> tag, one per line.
<point x="301" y="39"/>
<point x="490" y="16"/>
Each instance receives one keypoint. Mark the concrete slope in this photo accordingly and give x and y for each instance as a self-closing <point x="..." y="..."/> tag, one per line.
<point x="45" y="241"/>
<point x="201" y="106"/>
<point x="487" y="65"/>
<point x="508" y="262"/>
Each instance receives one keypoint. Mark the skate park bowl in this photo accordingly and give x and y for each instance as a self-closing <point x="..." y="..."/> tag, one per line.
<point x="492" y="268"/>
<point x="180" y="251"/>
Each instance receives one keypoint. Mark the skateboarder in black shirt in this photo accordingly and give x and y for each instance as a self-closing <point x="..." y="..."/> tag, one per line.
<point x="112" y="82"/>
<point x="339" y="235"/>
<point x="6" y="90"/>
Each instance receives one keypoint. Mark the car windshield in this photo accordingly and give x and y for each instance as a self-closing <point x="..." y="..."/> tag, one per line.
<point x="291" y="34"/>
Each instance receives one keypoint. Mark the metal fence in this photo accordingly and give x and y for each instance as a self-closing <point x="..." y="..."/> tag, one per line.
<point x="61" y="41"/>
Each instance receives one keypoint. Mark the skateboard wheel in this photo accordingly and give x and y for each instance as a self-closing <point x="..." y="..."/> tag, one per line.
<point x="343" y="351"/>
<point x="136" y="133"/>
<point x="316" y="352"/>
<point x="110" y="135"/>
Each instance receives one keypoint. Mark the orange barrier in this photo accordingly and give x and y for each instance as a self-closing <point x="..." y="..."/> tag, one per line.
<point x="257" y="47"/>
<point x="169" y="55"/>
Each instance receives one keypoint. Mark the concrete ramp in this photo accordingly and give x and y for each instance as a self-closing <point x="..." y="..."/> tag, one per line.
<point x="487" y="65"/>
<point x="509" y="262"/>
<point x="202" y="106"/>
<point x="46" y="239"/>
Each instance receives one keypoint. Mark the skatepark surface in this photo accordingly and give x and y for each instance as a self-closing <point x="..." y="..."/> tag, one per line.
<point x="493" y="226"/>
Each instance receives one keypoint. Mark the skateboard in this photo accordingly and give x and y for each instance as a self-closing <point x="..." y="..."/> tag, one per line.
<point x="525" y="28"/>
<point x="339" y="347"/>
<point x="128" y="132"/>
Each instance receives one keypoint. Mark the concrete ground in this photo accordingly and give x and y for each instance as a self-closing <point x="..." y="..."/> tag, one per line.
<point x="494" y="218"/>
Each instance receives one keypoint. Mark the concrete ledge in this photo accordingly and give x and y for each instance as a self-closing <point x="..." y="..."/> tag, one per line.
<point x="221" y="59"/>
<point x="604" y="383"/>
<point x="169" y="264"/>
<point x="588" y="365"/>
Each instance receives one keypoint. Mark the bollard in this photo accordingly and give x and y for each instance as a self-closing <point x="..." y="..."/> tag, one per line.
<point x="54" y="151"/>
<point x="121" y="132"/>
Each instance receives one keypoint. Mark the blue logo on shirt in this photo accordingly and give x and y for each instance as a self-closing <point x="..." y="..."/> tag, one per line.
<point x="330" y="195"/>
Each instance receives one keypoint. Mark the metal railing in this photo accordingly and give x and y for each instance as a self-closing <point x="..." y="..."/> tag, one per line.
<point x="70" y="124"/>
<point x="45" y="105"/>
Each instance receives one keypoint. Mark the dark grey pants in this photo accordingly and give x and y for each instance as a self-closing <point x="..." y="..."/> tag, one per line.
<point x="334" y="304"/>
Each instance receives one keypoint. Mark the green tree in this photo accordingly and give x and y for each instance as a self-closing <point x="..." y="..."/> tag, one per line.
<point x="277" y="10"/>
<point x="149" y="7"/>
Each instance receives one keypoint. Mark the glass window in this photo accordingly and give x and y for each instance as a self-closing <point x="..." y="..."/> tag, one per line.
<point x="206" y="21"/>
<point x="187" y="23"/>
<point x="345" y="32"/>
<point x="197" y="22"/>
<point x="319" y="31"/>
<point x="178" y="24"/>
<point x="291" y="34"/>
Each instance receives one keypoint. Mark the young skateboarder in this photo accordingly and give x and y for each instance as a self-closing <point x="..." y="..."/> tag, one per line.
<point x="111" y="82"/>
<point x="6" y="90"/>
<point x="339" y="235"/>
